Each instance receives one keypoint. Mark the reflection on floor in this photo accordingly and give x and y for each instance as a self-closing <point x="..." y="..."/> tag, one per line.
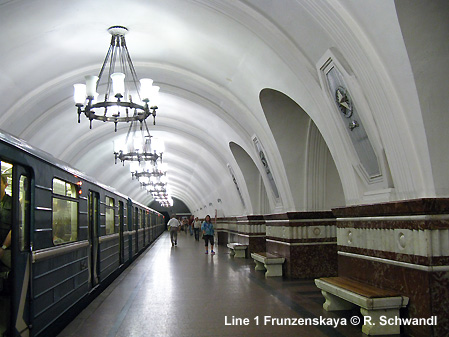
<point x="180" y="291"/>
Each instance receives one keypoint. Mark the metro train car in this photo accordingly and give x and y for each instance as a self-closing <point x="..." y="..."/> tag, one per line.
<point x="71" y="237"/>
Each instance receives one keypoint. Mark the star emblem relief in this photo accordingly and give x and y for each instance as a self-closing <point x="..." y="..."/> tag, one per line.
<point x="343" y="101"/>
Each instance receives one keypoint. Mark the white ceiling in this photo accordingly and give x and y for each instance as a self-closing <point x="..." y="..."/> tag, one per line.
<point x="189" y="48"/>
<point x="211" y="59"/>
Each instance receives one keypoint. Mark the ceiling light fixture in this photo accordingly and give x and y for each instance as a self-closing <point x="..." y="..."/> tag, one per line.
<point x="122" y="100"/>
<point x="138" y="146"/>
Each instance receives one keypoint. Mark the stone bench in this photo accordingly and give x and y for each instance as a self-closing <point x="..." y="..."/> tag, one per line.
<point x="342" y="293"/>
<point x="237" y="249"/>
<point x="269" y="262"/>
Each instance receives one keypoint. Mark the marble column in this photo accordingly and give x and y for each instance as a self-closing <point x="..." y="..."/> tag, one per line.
<point x="249" y="230"/>
<point x="307" y="241"/>
<point x="401" y="246"/>
<point x="222" y="228"/>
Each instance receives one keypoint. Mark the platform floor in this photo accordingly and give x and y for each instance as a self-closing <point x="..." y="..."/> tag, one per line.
<point x="180" y="291"/>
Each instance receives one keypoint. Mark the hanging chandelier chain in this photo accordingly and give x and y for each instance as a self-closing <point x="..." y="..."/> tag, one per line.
<point x="127" y="58"/>
<point x="109" y="109"/>
<point x="129" y="132"/>
<point x="108" y="55"/>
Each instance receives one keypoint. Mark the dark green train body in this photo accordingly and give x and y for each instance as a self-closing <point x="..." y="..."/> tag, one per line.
<point x="71" y="236"/>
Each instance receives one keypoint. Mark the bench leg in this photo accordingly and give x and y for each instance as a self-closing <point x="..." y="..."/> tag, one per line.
<point x="232" y="253"/>
<point x="259" y="265"/>
<point x="372" y="326"/>
<point x="273" y="270"/>
<point x="240" y="253"/>
<point x="334" y="303"/>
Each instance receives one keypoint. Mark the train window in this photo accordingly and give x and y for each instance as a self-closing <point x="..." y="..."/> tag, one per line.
<point x="6" y="202"/>
<point x="24" y="198"/>
<point x="6" y="169"/>
<point x="65" y="212"/>
<point x="140" y="219"/>
<point x="121" y="215"/>
<point x="136" y="218"/>
<point x="110" y="216"/>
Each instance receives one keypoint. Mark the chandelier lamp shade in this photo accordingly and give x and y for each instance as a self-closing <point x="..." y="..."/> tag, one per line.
<point x="154" y="187"/>
<point x="149" y="169"/>
<point x="125" y="98"/>
<point x="164" y="201"/>
<point x="138" y="146"/>
<point x="152" y="176"/>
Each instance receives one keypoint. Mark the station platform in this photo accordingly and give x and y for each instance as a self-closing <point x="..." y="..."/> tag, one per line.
<point x="181" y="291"/>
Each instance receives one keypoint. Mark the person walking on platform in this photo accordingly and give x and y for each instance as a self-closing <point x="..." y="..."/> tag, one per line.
<point x="174" y="226"/>
<point x="208" y="234"/>
<point x="191" y="225"/>
<point x="184" y="224"/>
<point x="196" y="228"/>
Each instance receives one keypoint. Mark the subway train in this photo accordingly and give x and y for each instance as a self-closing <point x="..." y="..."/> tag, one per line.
<point x="71" y="237"/>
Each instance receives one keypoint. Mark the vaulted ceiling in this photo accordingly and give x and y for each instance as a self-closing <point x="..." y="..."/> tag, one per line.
<point x="212" y="59"/>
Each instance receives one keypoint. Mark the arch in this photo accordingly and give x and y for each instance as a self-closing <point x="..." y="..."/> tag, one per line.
<point x="309" y="167"/>
<point x="324" y="190"/>
<point x="253" y="180"/>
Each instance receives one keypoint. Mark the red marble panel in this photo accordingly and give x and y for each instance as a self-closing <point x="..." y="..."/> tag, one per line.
<point x="252" y="218"/>
<point x="300" y="215"/>
<point x="306" y="261"/>
<point x="222" y="237"/>
<point x="428" y="291"/>
<point x="256" y="245"/>
<point x="439" y="297"/>
<point x="395" y="224"/>
<point x="397" y="208"/>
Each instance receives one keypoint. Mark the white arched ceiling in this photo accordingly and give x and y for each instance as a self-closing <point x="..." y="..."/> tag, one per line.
<point x="211" y="59"/>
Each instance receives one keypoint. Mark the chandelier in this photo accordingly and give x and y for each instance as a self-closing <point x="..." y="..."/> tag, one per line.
<point x="149" y="170"/>
<point x="163" y="198"/>
<point x="122" y="101"/>
<point x="152" y="176"/>
<point x="138" y="146"/>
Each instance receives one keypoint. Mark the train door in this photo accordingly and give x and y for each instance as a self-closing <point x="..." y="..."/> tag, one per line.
<point x="94" y="220"/>
<point x="144" y="228"/>
<point x="121" y="218"/>
<point x="15" y="261"/>
<point x="136" y="229"/>
<point x="130" y="219"/>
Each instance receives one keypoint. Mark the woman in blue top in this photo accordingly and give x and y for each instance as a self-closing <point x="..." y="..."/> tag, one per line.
<point x="208" y="233"/>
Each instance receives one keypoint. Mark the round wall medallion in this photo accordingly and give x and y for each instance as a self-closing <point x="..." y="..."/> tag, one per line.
<point x="344" y="102"/>
<point x="316" y="231"/>
<point x="349" y="237"/>
<point x="401" y="240"/>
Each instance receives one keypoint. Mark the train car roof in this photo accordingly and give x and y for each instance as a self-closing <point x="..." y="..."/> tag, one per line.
<point x="50" y="159"/>
<point x="44" y="156"/>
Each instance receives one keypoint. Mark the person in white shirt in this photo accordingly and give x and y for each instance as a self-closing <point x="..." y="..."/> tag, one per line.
<point x="174" y="227"/>
<point x="196" y="228"/>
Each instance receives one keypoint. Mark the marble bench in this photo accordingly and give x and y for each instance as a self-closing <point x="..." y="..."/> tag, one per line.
<point x="376" y="305"/>
<point x="237" y="249"/>
<point x="269" y="262"/>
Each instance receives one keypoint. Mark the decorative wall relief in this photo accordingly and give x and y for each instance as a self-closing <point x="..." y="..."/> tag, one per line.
<point x="234" y="179"/>
<point x="352" y="120"/>
<point x="264" y="160"/>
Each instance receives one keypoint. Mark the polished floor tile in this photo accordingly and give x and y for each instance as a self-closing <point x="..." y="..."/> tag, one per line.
<point x="180" y="291"/>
